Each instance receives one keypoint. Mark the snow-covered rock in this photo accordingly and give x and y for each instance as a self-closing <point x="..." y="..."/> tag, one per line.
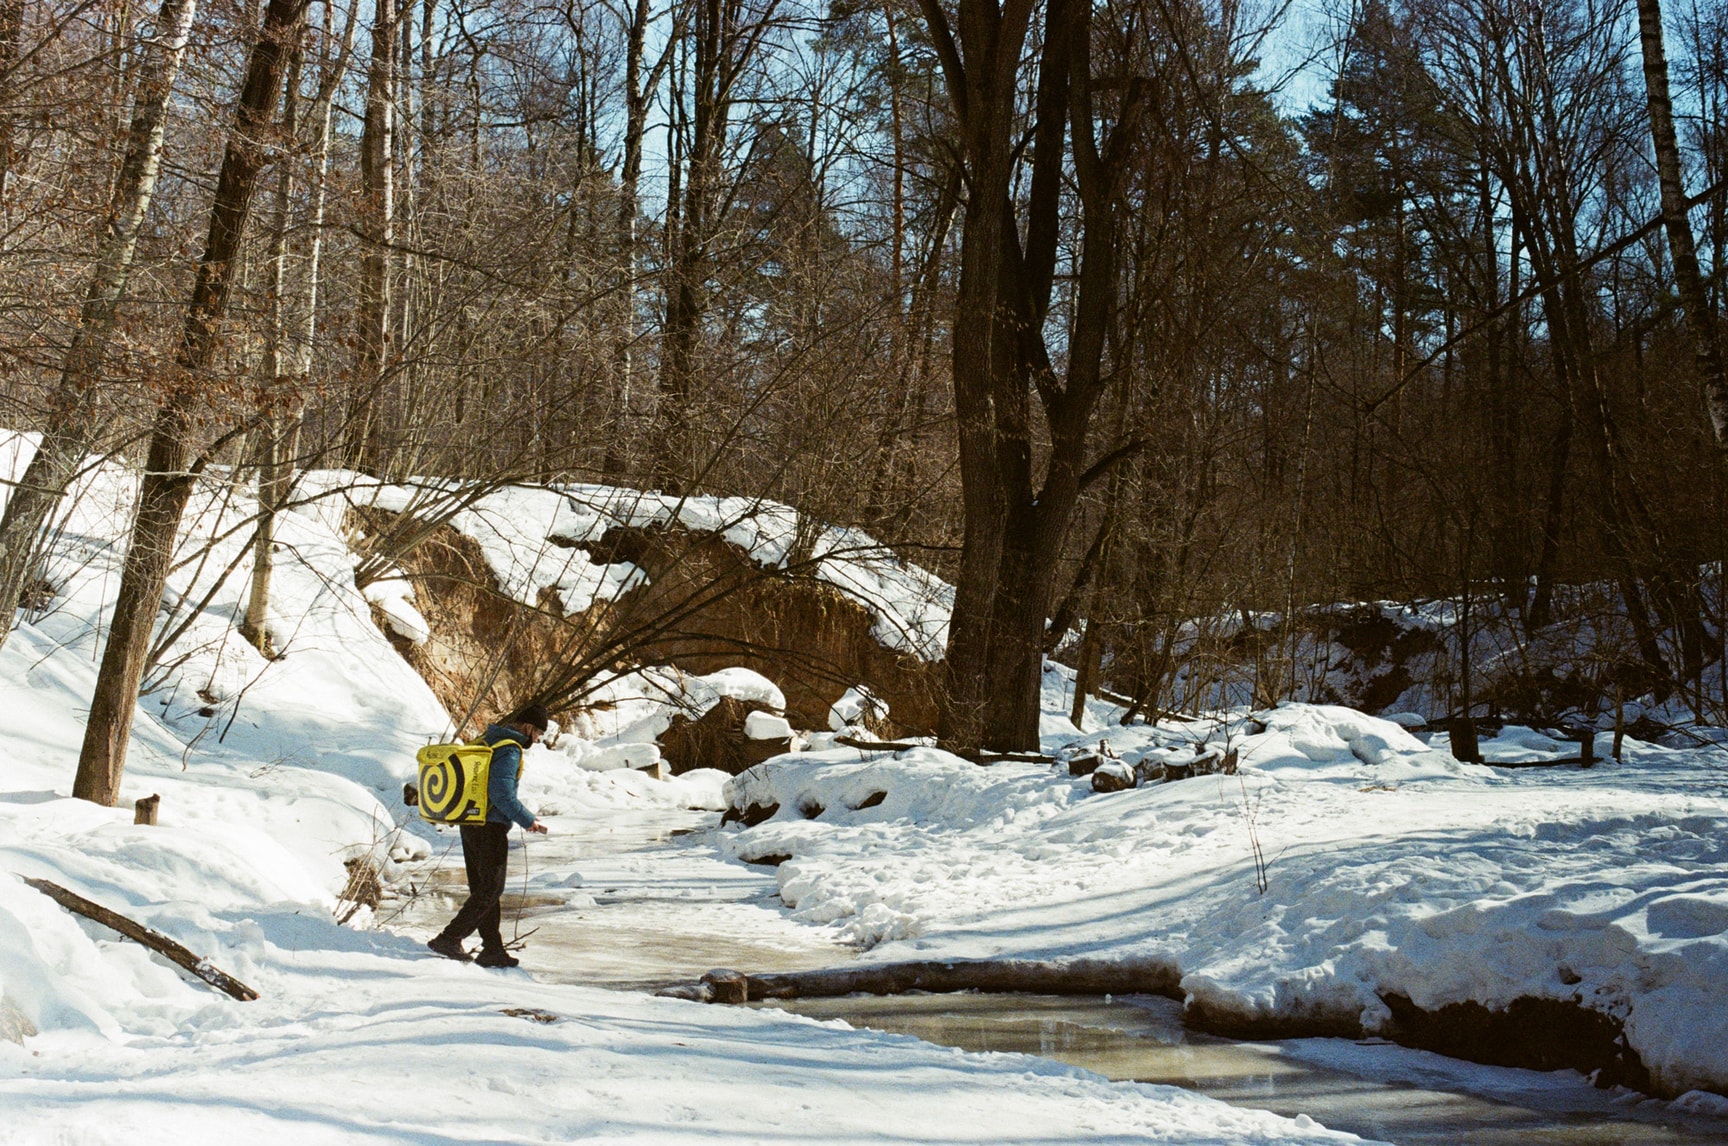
<point x="767" y="726"/>
<point x="857" y="709"/>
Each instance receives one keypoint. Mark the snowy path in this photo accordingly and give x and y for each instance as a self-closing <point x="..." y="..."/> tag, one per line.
<point x="361" y="1037"/>
<point x="633" y="899"/>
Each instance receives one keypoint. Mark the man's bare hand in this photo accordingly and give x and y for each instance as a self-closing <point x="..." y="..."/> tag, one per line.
<point x="537" y="826"/>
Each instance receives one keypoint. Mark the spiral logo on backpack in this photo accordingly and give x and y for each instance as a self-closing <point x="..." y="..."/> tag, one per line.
<point x="453" y="780"/>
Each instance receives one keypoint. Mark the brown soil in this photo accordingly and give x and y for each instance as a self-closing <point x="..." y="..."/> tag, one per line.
<point x="1533" y="1033"/>
<point x="707" y="606"/>
<point x="1539" y="1034"/>
<point x="714" y="740"/>
<point x="485" y="650"/>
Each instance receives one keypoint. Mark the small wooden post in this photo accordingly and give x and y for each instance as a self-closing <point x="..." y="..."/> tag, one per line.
<point x="1587" y="747"/>
<point x="1462" y="731"/>
<point x="144" y="810"/>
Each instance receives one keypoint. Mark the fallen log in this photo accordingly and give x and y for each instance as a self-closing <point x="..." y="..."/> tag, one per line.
<point x="875" y="745"/>
<point x="1024" y="976"/>
<point x="149" y="937"/>
<point x="1461" y="732"/>
<point x="985" y="759"/>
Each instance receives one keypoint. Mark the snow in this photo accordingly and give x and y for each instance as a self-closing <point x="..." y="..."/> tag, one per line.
<point x="628" y="711"/>
<point x="394" y="597"/>
<point x="1390" y="867"/>
<point x="856" y="707"/>
<point x="1387" y="867"/>
<point x="274" y="774"/>
<point x="767" y="726"/>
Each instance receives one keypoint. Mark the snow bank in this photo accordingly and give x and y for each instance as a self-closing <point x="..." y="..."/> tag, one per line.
<point x="1389" y="868"/>
<point x="626" y="714"/>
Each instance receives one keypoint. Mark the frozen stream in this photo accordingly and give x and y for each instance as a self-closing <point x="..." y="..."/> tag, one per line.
<point x="639" y="900"/>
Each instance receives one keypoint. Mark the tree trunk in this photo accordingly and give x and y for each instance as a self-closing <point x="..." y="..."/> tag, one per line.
<point x="148" y="936"/>
<point x="674" y="465"/>
<point x="72" y="423"/>
<point x="638" y="91"/>
<point x="983" y="350"/>
<point x="268" y="445"/>
<point x="363" y="437"/>
<point x="1015" y="527"/>
<point x="1700" y="322"/>
<point x="168" y="477"/>
<point x="289" y="353"/>
<point x="11" y="33"/>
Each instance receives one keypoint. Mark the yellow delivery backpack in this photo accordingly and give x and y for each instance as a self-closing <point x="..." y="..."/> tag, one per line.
<point x="453" y="779"/>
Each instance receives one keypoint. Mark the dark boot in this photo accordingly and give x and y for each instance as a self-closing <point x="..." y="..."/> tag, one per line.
<point x="496" y="957"/>
<point x="450" y="948"/>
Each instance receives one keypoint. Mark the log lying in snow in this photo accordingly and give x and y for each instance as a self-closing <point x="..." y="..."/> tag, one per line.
<point x="1026" y="976"/>
<point x="149" y="937"/>
<point x="974" y="757"/>
<point x="1465" y="749"/>
<point x="988" y="758"/>
<point x="876" y="745"/>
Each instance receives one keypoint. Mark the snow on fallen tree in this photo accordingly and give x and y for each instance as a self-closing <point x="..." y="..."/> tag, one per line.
<point x="147" y="936"/>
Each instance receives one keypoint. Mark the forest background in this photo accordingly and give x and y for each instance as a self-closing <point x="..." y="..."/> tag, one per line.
<point x="1070" y="302"/>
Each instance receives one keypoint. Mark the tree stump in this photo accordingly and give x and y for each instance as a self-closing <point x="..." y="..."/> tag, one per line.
<point x="1462" y="733"/>
<point x="144" y="810"/>
<point x="727" y="986"/>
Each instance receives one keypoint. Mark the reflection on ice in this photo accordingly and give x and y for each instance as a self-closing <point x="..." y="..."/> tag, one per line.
<point x="633" y="901"/>
<point x="1375" y="1090"/>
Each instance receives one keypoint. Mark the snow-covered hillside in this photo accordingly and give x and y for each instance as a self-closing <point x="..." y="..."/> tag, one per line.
<point x="540" y="538"/>
<point x="272" y="775"/>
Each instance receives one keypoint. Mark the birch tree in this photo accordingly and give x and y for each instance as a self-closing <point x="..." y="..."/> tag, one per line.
<point x="293" y="328"/>
<point x="75" y="403"/>
<point x="170" y="470"/>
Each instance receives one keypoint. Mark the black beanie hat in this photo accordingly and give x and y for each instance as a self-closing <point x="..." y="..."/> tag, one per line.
<point x="533" y="715"/>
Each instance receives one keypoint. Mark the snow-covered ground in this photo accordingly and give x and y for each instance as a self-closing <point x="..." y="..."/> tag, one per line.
<point x="1389" y="868"/>
<point x="272" y="775"/>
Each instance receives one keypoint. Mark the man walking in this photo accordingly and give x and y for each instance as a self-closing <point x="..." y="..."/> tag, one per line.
<point x="486" y="847"/>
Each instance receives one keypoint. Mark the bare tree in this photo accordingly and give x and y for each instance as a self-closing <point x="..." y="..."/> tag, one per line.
<point x="291" y="331"/>
<point x="1682" y="248"/>
<point x="1017" y="520"/>
<point x="74" y="408"/>
<point x="724" y="41"/>
<point x="377" y="164"/>
<point x="170" y="470"/>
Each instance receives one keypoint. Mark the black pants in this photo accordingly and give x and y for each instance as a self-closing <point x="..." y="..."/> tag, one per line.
<point x="486" y="853"/>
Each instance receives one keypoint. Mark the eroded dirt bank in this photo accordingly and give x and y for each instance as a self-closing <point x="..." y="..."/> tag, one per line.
<point x="704" y="606"/>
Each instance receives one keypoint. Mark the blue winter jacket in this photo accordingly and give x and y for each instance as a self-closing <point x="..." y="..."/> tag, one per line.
<point x="503" y="804"/>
